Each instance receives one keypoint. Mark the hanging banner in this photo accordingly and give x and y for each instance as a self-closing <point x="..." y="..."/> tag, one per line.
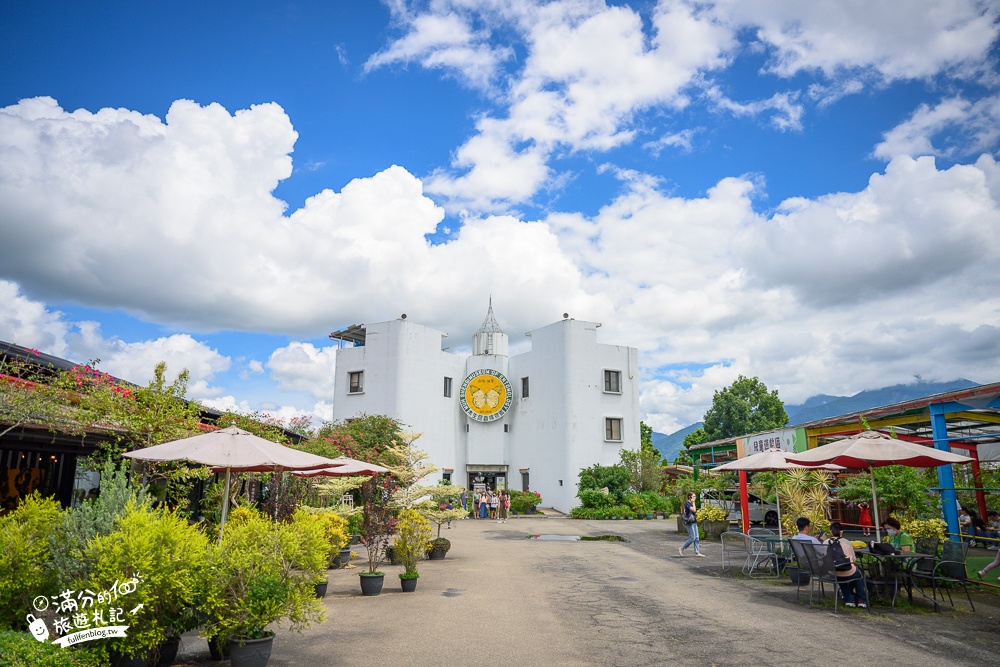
<point x="786" y="439"/>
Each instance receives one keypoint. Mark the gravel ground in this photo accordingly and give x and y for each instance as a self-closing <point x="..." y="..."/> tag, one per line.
<point x="500" y="598"/>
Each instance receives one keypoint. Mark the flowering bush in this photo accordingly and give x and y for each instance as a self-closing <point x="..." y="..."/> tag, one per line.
<point x="524" y="502"/>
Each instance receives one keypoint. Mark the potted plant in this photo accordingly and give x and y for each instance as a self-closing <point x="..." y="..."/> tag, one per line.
<point x="166" y="559"/>
<point x="321" y="534"/>
<point x="261" y="572"/>
<point x="436" y="511"/>
<point x="713" y="520"/>
<point x="412" y="542"/>
<point x="377" y="522"/>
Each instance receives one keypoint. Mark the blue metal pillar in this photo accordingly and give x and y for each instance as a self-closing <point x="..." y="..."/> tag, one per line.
<point x="946" y="477"/>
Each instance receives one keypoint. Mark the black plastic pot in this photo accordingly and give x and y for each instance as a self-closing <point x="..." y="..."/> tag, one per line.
<point x="250" y="652"/>
<point x="409" y="585"/>
<point x="167" y="652"/>
<point x="321" y="588"/>
<point x="371" y="584"/>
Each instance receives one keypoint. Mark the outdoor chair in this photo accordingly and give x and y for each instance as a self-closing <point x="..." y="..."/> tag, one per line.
<point x="821" y="569"/>
<point x="923" y="569"/>
<point x="949" y="571"/>
<point x="734" y="545"/>
<point x="761" y="532"/>
<point x="802" y="561"/>
<point x="760" y="553"/>
<point x="926" y="545"/>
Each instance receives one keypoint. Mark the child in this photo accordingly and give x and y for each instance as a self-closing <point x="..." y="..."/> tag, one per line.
<point x="865" y="519"/>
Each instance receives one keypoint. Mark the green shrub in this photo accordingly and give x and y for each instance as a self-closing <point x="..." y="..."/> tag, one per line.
<point x="711" y="513"/>
<point x="616" y="478"/>
<point x="24" y="556"/>
<point x="99" y="516"/>
<point x="168" y="558"/>
<point x="413" y="540"/>
<point x="254" y="581"/>
<point x="314" y="549"/>
<point x="335" y="528"/>
<point x="524" y="501"/>
<point x="20" y="649"/>
<point x="595" y="498"/>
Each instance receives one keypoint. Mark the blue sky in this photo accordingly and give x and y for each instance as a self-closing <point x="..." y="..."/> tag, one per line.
<point x="805" y="192"/>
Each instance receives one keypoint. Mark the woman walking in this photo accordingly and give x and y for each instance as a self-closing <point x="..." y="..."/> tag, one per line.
<point x="690" y="519"/>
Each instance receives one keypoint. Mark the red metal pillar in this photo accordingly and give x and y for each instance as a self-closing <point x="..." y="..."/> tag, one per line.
<point x="977" y="481"/>
<point x="744" y="502"/>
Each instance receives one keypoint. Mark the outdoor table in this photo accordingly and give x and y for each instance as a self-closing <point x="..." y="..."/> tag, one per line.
<point x="779" y="546"/>
<point x="898" y="566"/>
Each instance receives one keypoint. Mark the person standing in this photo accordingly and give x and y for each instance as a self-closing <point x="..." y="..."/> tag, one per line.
<point x="865" y="518"/>
<point x="484" y="504"/>
<point x="690" y="519"/>
<point x="503" y="502"/>
<point x="463" y="498"/>
<point x="475" y="505"/>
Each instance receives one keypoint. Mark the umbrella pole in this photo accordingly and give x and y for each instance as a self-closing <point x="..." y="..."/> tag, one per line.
<point x="878" y="532"/>
<point x="777" y="499"/>
<point x="225" y="506"/>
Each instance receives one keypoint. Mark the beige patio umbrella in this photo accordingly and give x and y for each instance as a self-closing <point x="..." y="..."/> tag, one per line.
<point x="768" y="460"/>
<point x="344" y="467"/>
<point x="231" y="449"/>
<point x="872" y="449"/>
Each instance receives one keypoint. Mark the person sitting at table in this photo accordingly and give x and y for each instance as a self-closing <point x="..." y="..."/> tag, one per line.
<point x="896" y="537"/>
<point x="805" y="530"/>
<point x="850" y="579"/>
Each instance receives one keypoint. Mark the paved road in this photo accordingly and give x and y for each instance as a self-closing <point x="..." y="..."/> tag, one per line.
<point x="501" y="599"/>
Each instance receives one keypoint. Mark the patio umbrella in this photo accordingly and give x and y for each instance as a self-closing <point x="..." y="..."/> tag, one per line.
<point x="344" y="467"/>
<point x="872" y="449"/>
<point x="232" y="449"/>
<point x="767" y="460"/>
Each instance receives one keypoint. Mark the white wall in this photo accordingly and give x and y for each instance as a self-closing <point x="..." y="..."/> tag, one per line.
<point x="555" y="432"/>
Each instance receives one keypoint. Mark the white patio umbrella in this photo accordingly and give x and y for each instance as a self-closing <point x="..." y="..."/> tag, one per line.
<point x="232" y="449"/>
<point x="872" y="449"/>
<point x="769" y="460"/>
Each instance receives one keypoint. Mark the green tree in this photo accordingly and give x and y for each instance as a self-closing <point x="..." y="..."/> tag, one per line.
<point x="695" y="437"/>
<point x="744" y="407"/>
<point x="644" y="469"/>
<point x="646" y="440"/>
<point x="616" y="478"/>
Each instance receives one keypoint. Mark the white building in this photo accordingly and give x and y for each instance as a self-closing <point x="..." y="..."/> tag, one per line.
<point x="533" y="420"/>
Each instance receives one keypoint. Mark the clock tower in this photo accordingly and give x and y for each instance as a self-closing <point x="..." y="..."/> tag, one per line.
<point x="486" y="396"/>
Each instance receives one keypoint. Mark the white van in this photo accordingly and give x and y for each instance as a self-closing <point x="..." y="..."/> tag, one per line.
<point x="729" y="500"/>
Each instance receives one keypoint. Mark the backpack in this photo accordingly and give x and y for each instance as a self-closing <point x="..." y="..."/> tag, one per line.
<point x="841" y="562"/>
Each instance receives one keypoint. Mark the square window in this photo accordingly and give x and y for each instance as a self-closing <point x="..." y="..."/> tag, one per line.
<point x="447" y="387"/>
<point x="357" y="382"/>
<point x="612" y="382"/>
<point x="524" y="387"/>
<point x="613" y="429"/>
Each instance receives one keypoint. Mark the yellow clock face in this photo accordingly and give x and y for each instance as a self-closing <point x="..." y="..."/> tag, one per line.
<point x="485" y="395"/>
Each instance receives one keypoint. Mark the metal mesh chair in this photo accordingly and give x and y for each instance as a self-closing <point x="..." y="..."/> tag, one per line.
<point x="950" y="571"/>
<point x="822" y="570"/>
<point x="734" y="545"/>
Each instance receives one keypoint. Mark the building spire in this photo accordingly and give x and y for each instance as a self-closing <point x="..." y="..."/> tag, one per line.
<point x="490" y="323"/>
